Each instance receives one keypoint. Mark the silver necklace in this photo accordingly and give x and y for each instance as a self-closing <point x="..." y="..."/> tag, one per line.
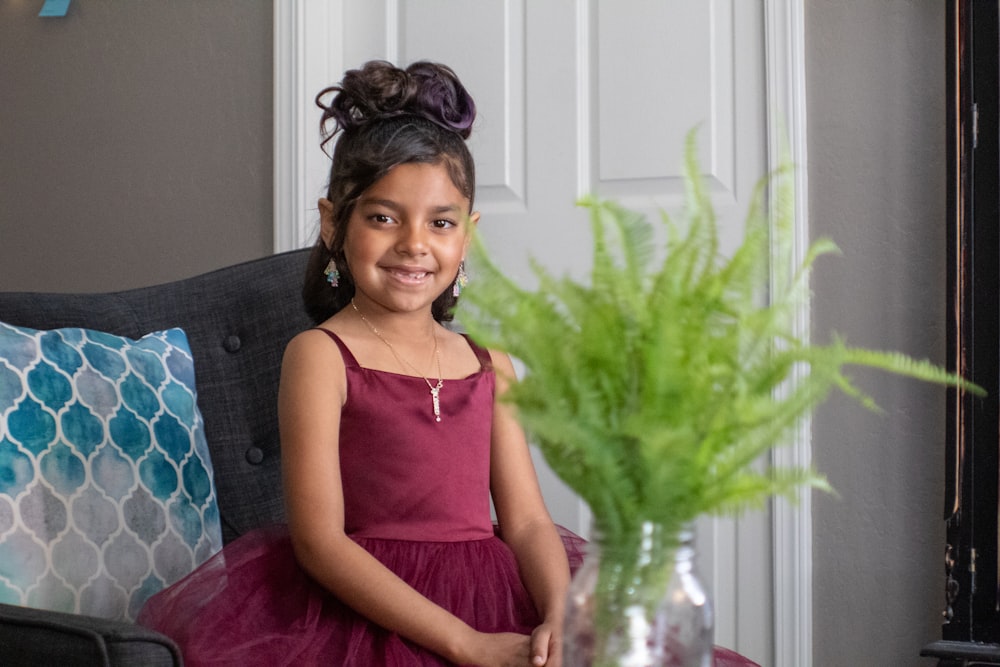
<point x="435" y="389"/>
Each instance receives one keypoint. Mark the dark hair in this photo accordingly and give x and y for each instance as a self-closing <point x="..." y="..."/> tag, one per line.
<point x="387" y="116"/>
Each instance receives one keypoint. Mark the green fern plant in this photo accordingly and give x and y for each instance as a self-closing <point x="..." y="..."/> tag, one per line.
<point x="654" y="390"/>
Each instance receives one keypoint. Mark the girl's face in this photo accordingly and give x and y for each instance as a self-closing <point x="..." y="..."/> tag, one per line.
<point x="406" y="237"/>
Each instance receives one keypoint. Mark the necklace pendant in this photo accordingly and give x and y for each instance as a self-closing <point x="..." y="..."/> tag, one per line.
<point x="435" y="391"/>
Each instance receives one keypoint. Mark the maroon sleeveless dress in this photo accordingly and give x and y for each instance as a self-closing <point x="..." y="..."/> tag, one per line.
<point x="416" y="496"/>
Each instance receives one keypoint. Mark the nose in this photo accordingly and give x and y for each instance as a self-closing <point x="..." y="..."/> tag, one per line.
<point x="412" y="240"/>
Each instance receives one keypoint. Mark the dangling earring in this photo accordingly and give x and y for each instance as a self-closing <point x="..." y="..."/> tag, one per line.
<point x="331" y="273"/>
<point x="461" y="280"/>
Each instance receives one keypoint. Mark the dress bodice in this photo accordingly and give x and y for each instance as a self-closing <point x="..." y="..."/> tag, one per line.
<point x="406" y="476"/>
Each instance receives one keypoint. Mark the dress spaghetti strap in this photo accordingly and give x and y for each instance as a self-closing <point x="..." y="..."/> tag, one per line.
<point x="345" y="352"/>
<point x="482" y="354"/>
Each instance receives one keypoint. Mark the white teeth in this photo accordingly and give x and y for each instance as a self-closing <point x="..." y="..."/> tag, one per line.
<point x="412" y="276"/>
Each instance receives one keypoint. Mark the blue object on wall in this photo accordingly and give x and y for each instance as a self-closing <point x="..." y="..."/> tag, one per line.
<point x="54" y="8"/>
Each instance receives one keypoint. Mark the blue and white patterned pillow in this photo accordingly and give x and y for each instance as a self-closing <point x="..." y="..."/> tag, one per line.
<point x="106" y="491"/>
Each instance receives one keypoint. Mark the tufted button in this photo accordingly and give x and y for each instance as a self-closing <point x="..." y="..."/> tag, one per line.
<point x="232" y="343"/>
<point x="255" y="455"/>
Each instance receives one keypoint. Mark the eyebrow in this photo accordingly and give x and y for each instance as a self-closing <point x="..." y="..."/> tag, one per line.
<point x="388" y="203"/>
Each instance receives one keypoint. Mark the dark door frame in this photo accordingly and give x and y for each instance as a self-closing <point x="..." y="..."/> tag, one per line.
<point x="971" y="609"/>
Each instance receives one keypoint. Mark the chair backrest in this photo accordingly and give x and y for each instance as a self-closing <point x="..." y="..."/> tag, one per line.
<point x="238" y="321"/>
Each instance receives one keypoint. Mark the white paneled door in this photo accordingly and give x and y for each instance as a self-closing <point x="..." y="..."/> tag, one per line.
<point x="574" y="97"/>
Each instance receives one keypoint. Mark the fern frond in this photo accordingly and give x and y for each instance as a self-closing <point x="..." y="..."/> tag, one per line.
<point x="655" y="391"/>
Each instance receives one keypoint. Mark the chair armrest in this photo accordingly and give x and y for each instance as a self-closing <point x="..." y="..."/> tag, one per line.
<point x="40" y="637"/>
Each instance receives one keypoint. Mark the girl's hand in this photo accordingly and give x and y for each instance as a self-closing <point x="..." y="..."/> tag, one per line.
<point x="546" y="647"/>
<point x="502" y="649"/>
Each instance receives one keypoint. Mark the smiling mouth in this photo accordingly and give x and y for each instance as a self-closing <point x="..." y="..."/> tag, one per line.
<point x="409" y="276"/>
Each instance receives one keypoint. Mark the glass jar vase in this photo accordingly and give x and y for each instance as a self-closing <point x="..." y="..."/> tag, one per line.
<point x="637" y="602"/>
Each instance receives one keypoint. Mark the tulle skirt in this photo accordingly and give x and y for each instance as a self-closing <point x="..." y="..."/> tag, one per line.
<point x="251" y="604"/>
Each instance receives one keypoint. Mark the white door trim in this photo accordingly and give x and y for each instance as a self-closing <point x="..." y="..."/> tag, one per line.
<point x="784" y="26"/>
<point x="305" y="61"/>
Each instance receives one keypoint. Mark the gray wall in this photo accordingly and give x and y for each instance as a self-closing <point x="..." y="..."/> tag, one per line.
<point x="876" y="87"/>
<point x="135" y="147"/>
<point x="135" y="141"/>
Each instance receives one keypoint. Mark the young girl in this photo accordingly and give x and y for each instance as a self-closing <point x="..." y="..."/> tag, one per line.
<point x="393" y="438"/>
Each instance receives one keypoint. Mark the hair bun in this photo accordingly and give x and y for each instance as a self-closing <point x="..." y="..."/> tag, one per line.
<point x="380" y="90"/>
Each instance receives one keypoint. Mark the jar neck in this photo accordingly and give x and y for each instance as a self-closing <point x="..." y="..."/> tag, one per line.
<point x="646" y="538"/>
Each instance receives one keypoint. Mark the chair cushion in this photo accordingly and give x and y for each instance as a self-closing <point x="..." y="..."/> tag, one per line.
<point x="106" y="485"/>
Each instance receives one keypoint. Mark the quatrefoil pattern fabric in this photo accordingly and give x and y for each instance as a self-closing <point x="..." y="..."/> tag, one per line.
<point x="106" y="491"/>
